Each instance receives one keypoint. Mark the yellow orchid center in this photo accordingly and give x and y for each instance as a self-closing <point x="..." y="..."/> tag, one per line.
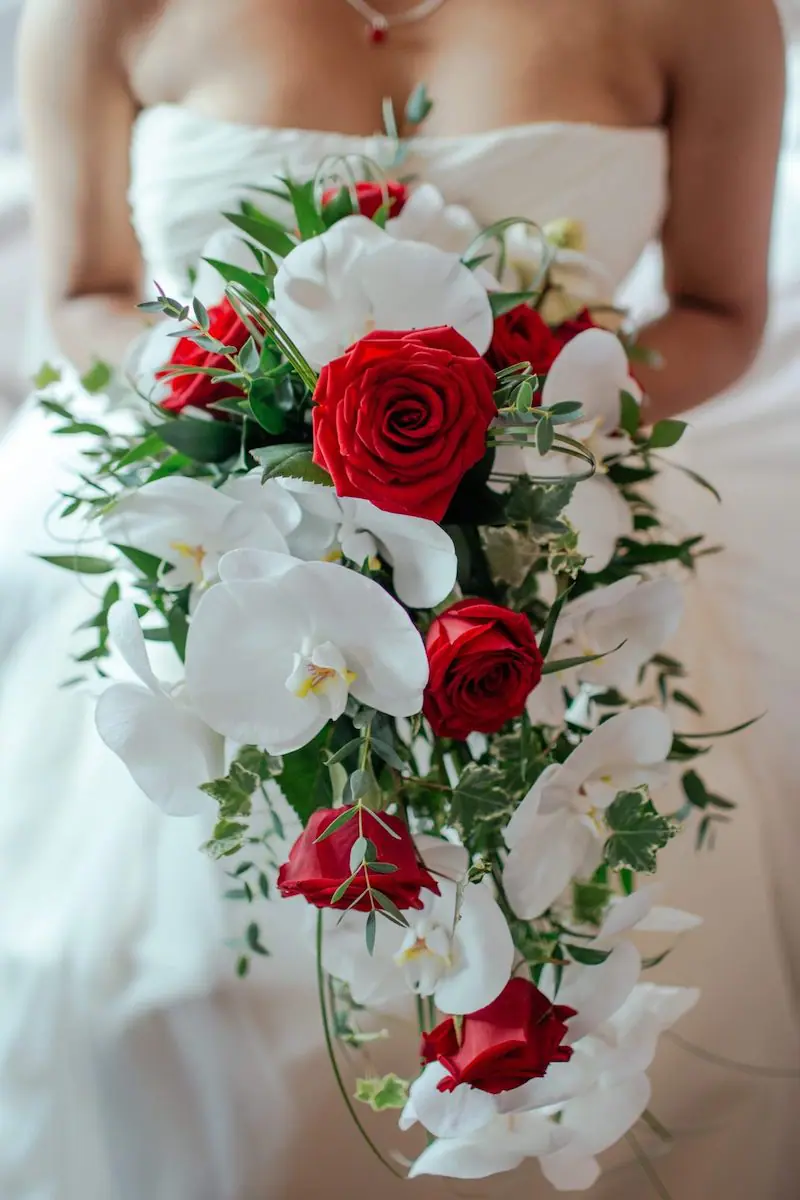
<point x="318" y="679"/>
<point x="195" y="553"/>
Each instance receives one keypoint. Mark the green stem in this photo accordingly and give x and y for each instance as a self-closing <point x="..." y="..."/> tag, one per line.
<point x="648" y="1168"/>
<point x="326" y="1029"/>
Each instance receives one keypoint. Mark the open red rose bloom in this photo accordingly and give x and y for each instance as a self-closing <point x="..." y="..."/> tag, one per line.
<point x="401" y="417"/>
<point x="501" y="1047"/>
<point x="484" y="663"/>
<point x="316" y="869"/>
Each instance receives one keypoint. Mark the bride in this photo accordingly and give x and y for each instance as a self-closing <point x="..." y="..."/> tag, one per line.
<point x="132" y="1063"/>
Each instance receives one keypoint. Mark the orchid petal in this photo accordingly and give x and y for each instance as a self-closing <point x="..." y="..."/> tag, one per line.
<point x="454" y="1114"/>
<point x="126" y="636"/>
<point x="483" y="954"/>
<point x="596" y="992"/>
<point x="601" y="516"/>
<point x="593" y="369"/>
<point x="537" y="870"/>
<point x="420" y="552"/>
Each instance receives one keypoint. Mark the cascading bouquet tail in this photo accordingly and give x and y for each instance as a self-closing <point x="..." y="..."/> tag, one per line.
<point x="381" y="516"/>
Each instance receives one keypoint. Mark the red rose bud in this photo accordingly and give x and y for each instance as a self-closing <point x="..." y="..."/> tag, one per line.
<point x="484" y="663"/>
<point x="501" y="1047"/>
<point x="521" y="335"/>
<point x="402" y="416"/>
<point x="568" y="330"/>
<point x="316" y="869"/>
<point x="198" y="391"/>
<point x="371" y="196"/>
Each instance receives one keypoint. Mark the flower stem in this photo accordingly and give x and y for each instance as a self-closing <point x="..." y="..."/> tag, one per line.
<point x="326" y="1029"/>
<point x="648" y="1168"/>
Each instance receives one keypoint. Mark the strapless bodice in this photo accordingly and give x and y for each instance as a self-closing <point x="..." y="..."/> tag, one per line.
<point x="187" y="169"/>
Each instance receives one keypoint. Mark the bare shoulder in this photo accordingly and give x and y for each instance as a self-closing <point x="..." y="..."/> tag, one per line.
<point x="718" y="39"/>
<point x="72" y="34"/>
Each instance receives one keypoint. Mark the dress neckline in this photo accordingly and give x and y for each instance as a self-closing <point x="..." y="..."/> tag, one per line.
<point x="505" y="132"/>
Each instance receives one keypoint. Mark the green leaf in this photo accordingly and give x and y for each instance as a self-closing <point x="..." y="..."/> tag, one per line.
<point x="292" y="461"/>
<point x="264" y="411"/>
<point x="202" y="441"/>
<point x="227" y="839"/>
<point x="46" y="375"/>
<point x="418" y="105"/>
<point x="257" y="762"/>
<point x="178" y="626"/>
<point x="389" y="908"/>
<point x="253" y="938"/>
<point x="147" y="564"/>
<point x="249" y="357"/>
<point x="264" y="230"/>
<point x="252" y="283"/>
<point x="309" y="221"/>
<point x="149" y="447"/>
<point x="545" y="436"/>
<point x="339" y="206"/>
<point x="719" y="733"/>
<point x="546" y="637"/>
<point x="638" y="832"/>
<point x="538" y="505"/>
<point x="83" y="564"/>
<point x="586" y="955"/>
<point x="242" y="965"/>
<point x="566" y="664"/>
<point x="97" y="377"/>
<point x="698" y="795"/>
<point x="589" y="901"/>
<point x="305" y="779"/>
<point x="479" y="796"/>
<point x="389" y="1092"/>
<point x="666" y="433"/>
<point x="201" y="314"/>
<point x="79" y="427"/>
<point x="369" y="932"/>
<point x="630" y="414"/>
<point x="503" y="302"/>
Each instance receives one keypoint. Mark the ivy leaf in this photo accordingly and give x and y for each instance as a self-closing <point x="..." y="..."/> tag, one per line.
<point x="290" y="460"/>
<point x="638" y="832"/>
<point x="479" y="796"/>
<point x="46" y="375"/>
<point x="389" y="1092"/>
<point x="228" y="838"/>
<point x="538" y="505"/>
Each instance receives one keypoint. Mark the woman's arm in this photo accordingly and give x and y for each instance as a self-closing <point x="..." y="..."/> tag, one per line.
<point x="77" y="114"/>
<point x="727" y="76"/>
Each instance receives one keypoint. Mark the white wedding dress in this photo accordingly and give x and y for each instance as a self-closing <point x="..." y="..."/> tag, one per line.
<point x="133" y="1065"/>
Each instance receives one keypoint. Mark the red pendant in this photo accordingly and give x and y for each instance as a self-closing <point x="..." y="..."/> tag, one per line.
<point x="377" y="33"/>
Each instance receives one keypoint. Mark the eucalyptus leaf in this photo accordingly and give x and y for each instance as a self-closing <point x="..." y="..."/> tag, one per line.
<point x="82" y="564"/>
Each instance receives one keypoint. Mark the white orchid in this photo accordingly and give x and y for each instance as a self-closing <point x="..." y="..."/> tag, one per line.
<point x="576" y="281"/>
<point x="333" y="289"/>
<point x="461" y="954"/>
<point x="190" y="525"/>
<point x="633" y="618"/>
<point x="277" y="646"/>
<point x="641" y="913"/>
<point x="427" y="217"/>
<point x="420" y="553"/>
<point x="168" y="750"/>
<point x="555" y="834"/>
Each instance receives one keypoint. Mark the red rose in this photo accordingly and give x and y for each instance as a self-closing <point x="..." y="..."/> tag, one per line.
<point x="484" y="663"/>
<point x="512" y="1040"/>
<point x="371" y="196"/>
<point x="316" y="869"/>
<point x="401" y="417"/>
<point x="198" y="391"/>
<point x="568" y="330"/>
<point x="521" y="335"/>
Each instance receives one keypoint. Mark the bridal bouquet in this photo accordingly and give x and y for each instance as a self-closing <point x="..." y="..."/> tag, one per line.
<point x="382" y="513"/>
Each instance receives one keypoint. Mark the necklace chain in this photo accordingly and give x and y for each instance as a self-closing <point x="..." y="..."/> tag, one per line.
<point x="380" y="21"/>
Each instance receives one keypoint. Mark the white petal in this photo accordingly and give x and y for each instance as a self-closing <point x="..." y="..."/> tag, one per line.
<point x="244" y="566"/>
<point x="622" y="747"/>
<point x="523" y="819"/>
<point x="127" y="637"/>
<point x="421" y="553"/>
<point x="373" y="979"/>
<point x="413" y="286"/>
<point x="601" y="516"/>
<point x="538" y="869"/>
<point x="625" y="912"/>
<point x="270" y="497"/>
<point x="570" y="1172"/>
<point x="426" y="217"/>
<point x="646" y="618"/>
<point x="483" y="952"/>
<point x="450" y="1114"/>
<point x="597" y="992"/>
<point x="321" y="517"/>
<point x="668" y="920"/>
<point x="604" y="1115"/>
<point x="168" y="751"/>
<point x="592" y="368"/>
<point x="462" y="1158"/>
<point x="442" y="858"/>
<point x="162" y="516"/>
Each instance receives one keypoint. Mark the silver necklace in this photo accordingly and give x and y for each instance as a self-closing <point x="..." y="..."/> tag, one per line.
<point x="378" y="24"/>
